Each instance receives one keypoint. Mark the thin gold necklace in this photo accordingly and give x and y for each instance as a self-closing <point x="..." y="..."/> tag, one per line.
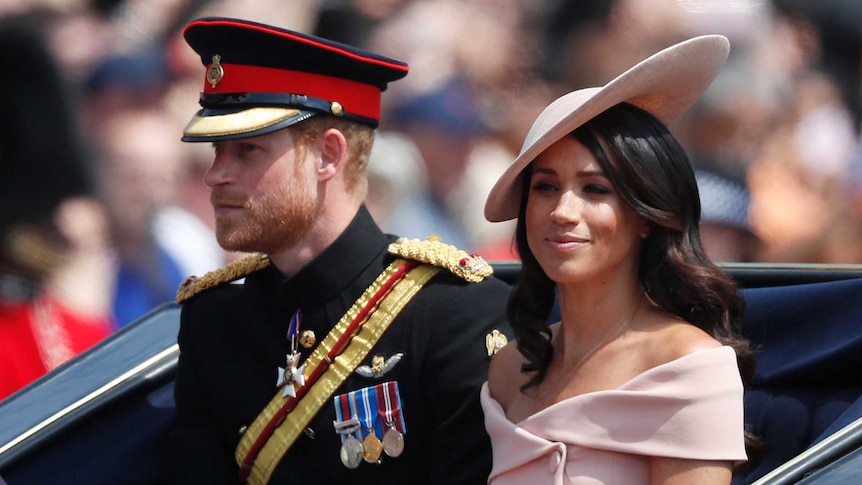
<point x="607" y="337"/>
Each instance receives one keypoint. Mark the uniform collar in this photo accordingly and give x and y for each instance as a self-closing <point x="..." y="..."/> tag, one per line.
<point x="339" y="265"/>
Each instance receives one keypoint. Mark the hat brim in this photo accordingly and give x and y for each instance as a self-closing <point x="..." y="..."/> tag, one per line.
<point x="666" y="84"/>
<point x="210" y="125"/>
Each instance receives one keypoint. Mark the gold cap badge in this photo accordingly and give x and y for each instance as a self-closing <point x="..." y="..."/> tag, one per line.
<point x="215" y="73"/>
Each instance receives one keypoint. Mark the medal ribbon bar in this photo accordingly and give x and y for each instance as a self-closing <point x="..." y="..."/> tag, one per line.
<point x="389" y="405"/>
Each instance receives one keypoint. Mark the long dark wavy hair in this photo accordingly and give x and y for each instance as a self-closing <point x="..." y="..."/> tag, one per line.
<point x="652" y="173"/>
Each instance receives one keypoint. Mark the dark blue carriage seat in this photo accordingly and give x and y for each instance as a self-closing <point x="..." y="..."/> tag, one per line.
<point x="809" y="352"/>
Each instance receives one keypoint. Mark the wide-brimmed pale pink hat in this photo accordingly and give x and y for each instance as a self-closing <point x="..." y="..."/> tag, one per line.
<point x="666" y="84"/>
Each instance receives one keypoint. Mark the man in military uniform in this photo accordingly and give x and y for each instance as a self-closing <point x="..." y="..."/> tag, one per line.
<point x="345" y="355"/>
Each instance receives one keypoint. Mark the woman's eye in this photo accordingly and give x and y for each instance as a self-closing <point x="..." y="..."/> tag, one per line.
<point x="543" y="187"/>
<point x="248" y="147"/>
<point x="596" y="189"/>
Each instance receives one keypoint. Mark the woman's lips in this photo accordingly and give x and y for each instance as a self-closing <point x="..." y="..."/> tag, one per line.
<point x="567" y="241"/>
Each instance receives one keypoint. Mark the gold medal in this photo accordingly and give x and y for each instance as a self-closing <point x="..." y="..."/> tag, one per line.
<point x="373" y="448"/>
<point x="352" y="452"/>
<point x="393" y="442"/>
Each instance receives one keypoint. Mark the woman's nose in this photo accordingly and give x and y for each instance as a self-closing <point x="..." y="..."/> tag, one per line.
<point x="567" y="210"/>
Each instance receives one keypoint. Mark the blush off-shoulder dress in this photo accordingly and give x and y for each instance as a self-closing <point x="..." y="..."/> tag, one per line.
<point x="688" y="408"/>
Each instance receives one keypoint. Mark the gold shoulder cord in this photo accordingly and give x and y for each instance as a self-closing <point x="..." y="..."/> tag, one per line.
<point x="470" y="267"/>
<point x="340" y="368"/>
<point x="233" y="271"/>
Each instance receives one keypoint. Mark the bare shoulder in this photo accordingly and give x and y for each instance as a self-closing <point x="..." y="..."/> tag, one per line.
<point x="674" y="338"/>
<point x="504" y="373"/>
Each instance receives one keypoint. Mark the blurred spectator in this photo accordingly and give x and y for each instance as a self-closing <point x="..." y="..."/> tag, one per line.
<point x="119" y="81"/>
<point x="831" y="32"/>
<point x="806" y="157"/>
<point x="395" y="175"/>
<point x="53" y="253"/>
<point x="785" y="116"/>
<point x="353" y="21"/>
<point x="724" y="228"/>
<point x="444" y="125"/>
<point x="588" y="43"/>
<point x="141" y="162"/>
<point x="489" y="92"/>
<point x="150" y="182"/>
<point x="185" y="227"/>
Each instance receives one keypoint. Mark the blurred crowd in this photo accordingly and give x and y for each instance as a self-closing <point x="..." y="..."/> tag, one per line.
<point x="775" y="141"/>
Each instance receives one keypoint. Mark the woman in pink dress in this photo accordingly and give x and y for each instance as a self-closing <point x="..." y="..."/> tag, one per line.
<point x="641" y="380"/>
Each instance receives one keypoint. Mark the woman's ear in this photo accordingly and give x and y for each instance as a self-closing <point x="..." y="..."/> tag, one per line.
<point x="645" y="230"/>
<point x="333" y="153"/>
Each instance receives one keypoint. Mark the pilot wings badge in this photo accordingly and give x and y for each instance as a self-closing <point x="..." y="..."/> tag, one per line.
<point x="380" y="365"/>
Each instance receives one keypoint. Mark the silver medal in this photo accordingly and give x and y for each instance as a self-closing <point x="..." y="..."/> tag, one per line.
<point x="352" y="452"/>
<point x="393" y="442"/>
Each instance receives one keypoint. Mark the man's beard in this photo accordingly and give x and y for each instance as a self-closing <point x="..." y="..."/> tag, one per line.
<point x="275" y="222"/>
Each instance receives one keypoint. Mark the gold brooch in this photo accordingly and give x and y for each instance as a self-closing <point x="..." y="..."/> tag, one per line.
<point x="215" y="73"/>
<point x="495" y="341"/>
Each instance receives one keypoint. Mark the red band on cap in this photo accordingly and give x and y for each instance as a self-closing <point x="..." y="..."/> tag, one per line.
<point x="355" y="97"/>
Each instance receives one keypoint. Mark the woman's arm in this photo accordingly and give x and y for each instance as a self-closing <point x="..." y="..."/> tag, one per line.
<point x="678" y="471"/>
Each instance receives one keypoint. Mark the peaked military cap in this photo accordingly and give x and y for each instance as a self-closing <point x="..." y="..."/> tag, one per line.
<point x="260" y="78"/>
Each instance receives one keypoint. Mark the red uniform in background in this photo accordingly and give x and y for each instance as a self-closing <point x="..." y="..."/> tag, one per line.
<point x="39" y="335"/>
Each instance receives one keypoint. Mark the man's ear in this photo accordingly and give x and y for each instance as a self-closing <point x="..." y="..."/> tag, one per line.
<point x="333" y="154"/>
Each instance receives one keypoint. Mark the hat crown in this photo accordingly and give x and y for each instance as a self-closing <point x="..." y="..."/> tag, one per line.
<point x="665" y="84"/>
<point x="555" y="111"/>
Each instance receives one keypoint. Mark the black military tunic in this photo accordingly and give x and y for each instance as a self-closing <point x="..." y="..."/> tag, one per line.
<point x="233" y="339"/>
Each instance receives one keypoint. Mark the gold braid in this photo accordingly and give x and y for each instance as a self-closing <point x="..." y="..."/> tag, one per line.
<point x="470" y="267"/>
<point x="234" y="271"/>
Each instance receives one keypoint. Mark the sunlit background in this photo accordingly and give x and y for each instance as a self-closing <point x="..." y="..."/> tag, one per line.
<point x="775" y="140"/>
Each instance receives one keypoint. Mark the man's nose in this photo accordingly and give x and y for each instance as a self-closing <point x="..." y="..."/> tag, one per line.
<point x="219" y="172"/>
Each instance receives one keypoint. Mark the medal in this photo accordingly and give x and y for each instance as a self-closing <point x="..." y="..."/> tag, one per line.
<point x="292" y="373"/>
<point x="393" y="442"/>
<point x="373" y="448"/>
<point x="370" y="423"/>
<point x="389" y="409"/>
<point x="352" y="452"/>
<point x="367" y="407"/>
